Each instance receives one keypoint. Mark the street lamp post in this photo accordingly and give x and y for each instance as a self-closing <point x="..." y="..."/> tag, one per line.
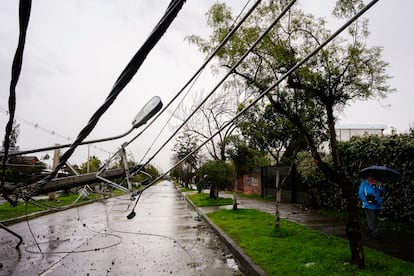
<point x="147" y="112"/>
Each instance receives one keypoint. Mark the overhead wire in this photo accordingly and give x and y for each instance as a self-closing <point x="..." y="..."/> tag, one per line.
<point x="31" y="232"/>
<point x="24" y="17"/>
<point x="208" y="59"/>
<point x="247" y="52"/>
<point x="46" y="130"/>
<point x="235" y="26"/>
<point x="125" y="77"/>
<point x="266" y="91"/>
<point x="37" y="126"/>
<point x="126" y="74"/>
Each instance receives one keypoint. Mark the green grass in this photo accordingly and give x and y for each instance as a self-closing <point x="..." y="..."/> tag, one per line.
<point x="203" y="199"/>
<point x="183" y="189"/>
<point x="8" y="212"/>
<point x="63" y="199"/>
<point x="298" y="250"/>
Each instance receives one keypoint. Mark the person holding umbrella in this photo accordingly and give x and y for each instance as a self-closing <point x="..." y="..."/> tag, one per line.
<point x="371" y="191"/>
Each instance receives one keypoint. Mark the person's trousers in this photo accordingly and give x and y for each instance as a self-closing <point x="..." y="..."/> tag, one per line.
<point x="372" y="216"/>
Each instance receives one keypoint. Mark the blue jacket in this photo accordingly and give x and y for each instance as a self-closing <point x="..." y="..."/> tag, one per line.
<point x="367" y="189"/>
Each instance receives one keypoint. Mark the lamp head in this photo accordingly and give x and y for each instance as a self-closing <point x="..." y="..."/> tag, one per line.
<point x="147" y="112"/>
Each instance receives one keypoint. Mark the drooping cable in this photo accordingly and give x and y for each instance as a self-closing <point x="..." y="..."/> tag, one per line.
<point x="266" y="91"/>
<point x="31" y="232"/>
<point x="193" y="79"/>
<point x="140" y="167"/>
<point x="247" y="52"/>
<point x="196" y="74"/>
<point x="24" y="16"/>
<point x="125" y="77"/>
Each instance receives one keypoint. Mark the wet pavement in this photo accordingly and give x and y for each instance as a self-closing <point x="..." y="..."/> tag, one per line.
<point x="166" y="237"/>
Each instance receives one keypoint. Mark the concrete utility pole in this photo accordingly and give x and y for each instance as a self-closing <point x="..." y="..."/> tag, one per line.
<point x="56" y="154"/>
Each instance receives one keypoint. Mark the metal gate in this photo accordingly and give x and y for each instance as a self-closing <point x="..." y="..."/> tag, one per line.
<point x="292" y="191"/>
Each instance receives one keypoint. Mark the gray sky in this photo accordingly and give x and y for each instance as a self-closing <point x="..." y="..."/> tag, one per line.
<point x="75" y="50"/>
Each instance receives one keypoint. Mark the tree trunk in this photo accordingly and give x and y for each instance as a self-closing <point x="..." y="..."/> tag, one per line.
<point x="278" y="197"/>
<point x="353" y="227"/>
<point x="235" y="194"/>
<point x="213" y="193"/>
<point x="336" y="174"/>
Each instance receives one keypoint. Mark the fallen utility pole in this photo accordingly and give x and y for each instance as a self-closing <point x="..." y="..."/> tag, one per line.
<point x="69" y="182"/>
<point x="65" y="183"/>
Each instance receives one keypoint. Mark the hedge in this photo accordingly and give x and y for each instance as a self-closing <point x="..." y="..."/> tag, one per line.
<point x="395" y="151"/>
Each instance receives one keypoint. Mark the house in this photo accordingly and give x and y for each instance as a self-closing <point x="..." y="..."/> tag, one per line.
<point x="26" y="160"/>
<point x="345" y="132"/>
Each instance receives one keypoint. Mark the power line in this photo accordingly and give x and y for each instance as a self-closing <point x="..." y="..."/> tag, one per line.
<point x="46" y="130"/>
<point x="189" y="84"/>
<point x="126" y="76"/>
<point x="246" y="53"/>
<point x="266" y="91"/>
<point x="37" y="126"/>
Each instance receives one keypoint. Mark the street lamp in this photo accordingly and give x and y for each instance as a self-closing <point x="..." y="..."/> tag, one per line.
<point x="147" y="112"/>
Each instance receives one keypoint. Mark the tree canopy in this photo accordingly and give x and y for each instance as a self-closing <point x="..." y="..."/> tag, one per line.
<point x="343" y="71"/>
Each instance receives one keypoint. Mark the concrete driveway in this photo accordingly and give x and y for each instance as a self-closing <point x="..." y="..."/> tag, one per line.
<point x="165" y="238"/>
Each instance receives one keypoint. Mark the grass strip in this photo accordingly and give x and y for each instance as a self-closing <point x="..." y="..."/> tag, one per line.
<point x="294" y="249"/>
<point x="203" y="199"/>
<point x="8" y="212"/>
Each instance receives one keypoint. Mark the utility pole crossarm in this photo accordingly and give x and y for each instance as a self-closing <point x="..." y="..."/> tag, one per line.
<point x="69" y="182"/>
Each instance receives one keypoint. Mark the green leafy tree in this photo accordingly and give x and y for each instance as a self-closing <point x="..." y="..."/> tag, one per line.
<point x="92" y="165"/>
<point x="189" y="161"/>
<point x="143" y="178"/>
<point x="244" y="158"/>
<point x="218" y="174"/>
<point x="19" y="168"/>
<point x="152" y="170"/>
<point x="267" y="131"/>
<point x="343" y="71"/>
<point x="24" y="170"/>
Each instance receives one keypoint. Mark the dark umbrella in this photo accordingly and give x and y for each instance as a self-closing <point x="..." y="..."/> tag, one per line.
<point x="382" y="173"/>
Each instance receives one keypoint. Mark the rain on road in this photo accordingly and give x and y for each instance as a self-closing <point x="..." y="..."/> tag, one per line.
<point x="164" y="238"/>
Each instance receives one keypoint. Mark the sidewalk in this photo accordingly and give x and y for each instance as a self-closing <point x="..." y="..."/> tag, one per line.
<point x="395" y="242"/>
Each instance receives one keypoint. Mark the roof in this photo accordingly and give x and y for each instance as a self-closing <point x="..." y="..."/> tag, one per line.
<point x="361" y="126"/>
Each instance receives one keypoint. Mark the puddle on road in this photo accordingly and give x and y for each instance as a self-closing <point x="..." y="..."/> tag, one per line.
<point x="232" y="264"/>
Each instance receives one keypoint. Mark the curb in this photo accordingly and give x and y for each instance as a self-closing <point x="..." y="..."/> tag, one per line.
<point x="246" y="262"/>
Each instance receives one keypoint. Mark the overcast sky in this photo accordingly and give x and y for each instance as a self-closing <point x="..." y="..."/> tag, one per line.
<point x="75" y="50"/>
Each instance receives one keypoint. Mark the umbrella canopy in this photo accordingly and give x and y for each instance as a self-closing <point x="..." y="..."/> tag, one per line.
<point x="382" y="173"/>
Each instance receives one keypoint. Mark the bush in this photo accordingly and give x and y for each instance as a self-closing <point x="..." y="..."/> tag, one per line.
<point x="395" y="151"/>
<point x="321" y="192"/>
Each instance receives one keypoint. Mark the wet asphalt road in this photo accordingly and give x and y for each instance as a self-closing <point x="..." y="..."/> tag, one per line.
<point x="164" y="238"/>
